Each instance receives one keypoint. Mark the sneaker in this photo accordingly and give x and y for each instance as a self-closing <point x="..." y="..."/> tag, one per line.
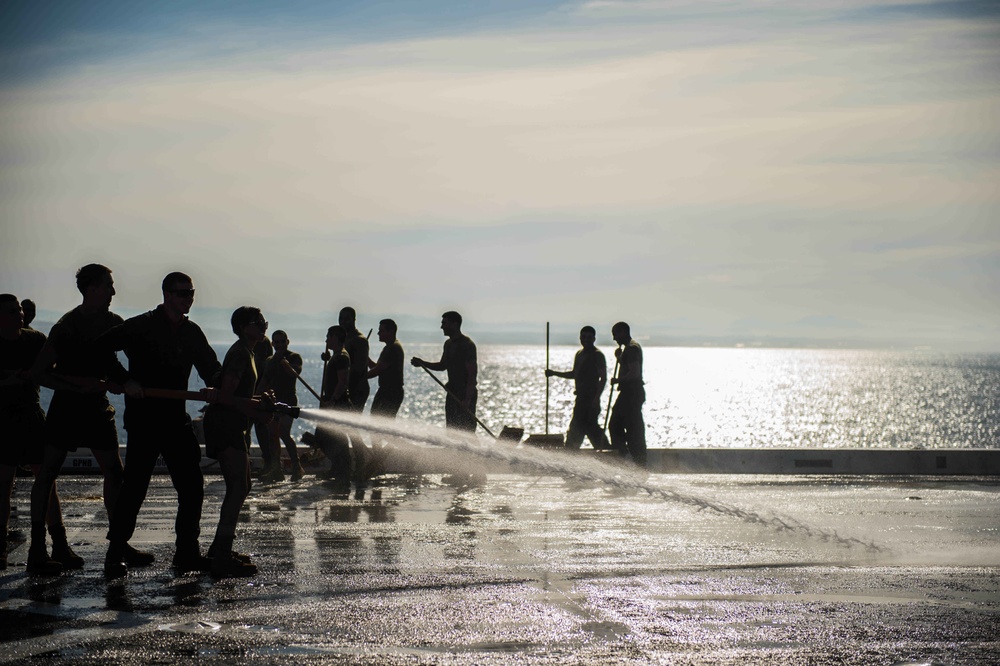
<point x="228" y="566"/>
<point x="138" y="558"/>
<point x="298" y="473"/>
<point x="65" y="556"/>
<point x="190" y="562"/>
<point x="40" y="564"/>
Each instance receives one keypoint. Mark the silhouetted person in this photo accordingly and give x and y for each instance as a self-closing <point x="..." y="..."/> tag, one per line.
<point x="227" y="422"/>
<point x="279" y="376"/>
<point x="21" y="418"/>
<point x="79" y="413"/>
<point x="28" y="306"/>
<point x="336" y="395"/>
<point x="628" y="430"/>
<point x="389" y="370"/>
<point x="162" y="346"/>
<point x="460" y="360"/>
<point x="590" y="375"/>
<point x="356" y="345"/>
<point x="262" y="351"/>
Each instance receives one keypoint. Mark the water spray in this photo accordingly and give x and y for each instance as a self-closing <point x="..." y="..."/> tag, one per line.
<point x="561" y="464"/>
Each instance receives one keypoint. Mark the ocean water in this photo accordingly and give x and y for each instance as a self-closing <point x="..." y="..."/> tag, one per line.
<point x="727" y="397"/>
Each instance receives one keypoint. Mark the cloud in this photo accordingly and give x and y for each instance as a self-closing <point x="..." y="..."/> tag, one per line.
<point x="680" y="165"/>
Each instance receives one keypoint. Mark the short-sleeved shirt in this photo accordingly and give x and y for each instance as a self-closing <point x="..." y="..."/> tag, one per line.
<point x="589" y="368"/>
<point x="239" y="363"/>
<point x="16" y="356"/>
<point x="75" y="418"/>
<point x="356" y="347"/>
<point x="160" y="355"/>
<point x="280" y="380"/>
<point x="338" y="362"/>
<point x="391" y="376"/>
<point x="73" y="339"/>
<point x="459" y="351"/>
<point x="632" y="356"/>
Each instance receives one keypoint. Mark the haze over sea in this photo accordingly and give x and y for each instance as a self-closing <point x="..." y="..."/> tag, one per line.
<point x="723" y="397"/>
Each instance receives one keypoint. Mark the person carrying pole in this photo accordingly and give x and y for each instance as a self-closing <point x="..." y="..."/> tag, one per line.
<point x="590" y="376"/>
<point x="628" y="430"/>
<point x="460" y="360"/>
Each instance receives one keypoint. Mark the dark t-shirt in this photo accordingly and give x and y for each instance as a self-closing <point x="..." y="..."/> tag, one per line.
<point x="458" y="352"/>
<point x="160" y="355"/>
<point x="239" y="363"/>
<point x="391" y="377"/>
<point x="339" y="361"/>
<point x="356" y="347"/>
<point x="589" y="368"/>
<point x="632" y="356"/>
<point x="15" y="356"/>
<point x="280" y="380"/>
<point x="73" y="338"/>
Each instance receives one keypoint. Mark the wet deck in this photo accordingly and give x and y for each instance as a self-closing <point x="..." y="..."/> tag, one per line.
<point x="536" y="570"/>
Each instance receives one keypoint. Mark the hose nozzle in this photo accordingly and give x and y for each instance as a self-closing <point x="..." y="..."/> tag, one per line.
<point x="282" y="408"/>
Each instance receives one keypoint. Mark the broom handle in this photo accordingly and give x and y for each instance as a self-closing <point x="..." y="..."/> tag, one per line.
<point x="611" y="392"/>
<point x="546" y="378"/>
<point x="459" y="401"/>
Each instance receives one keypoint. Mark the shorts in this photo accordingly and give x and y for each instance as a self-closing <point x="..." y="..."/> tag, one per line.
<point x="72" y="424"/>
<point x="23" y="431"/>
<point x="222" y="431"/>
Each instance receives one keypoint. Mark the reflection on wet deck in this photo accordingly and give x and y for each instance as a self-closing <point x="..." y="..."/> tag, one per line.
<point x="536" y="570"/>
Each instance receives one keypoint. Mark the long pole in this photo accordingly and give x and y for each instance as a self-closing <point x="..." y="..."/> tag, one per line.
<point x="288" y="365"/>
<point x="546" y="378"/>
<point x="456" y="399"/>
<point x="326" y="362"/>
<point x="607" y="414"/>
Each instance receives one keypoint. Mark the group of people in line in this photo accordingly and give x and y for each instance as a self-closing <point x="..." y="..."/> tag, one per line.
<point x="79" y="361"/>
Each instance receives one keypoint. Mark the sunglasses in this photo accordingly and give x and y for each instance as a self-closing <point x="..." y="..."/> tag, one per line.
<point x="262" y="323"/>
<point x="183" y="293"/>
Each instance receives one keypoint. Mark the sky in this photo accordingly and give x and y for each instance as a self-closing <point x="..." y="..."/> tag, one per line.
<point x="709" y="169"/>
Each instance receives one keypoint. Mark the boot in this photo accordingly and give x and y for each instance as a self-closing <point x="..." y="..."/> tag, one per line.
<point x="39" y="562"/>
<point x="61" y="552"/>
<point x="226" y="563"/>
<point x="65" y="556"/>
<point x="114" y="561"/>
<point x="272" y="473"/>
<point x="298" y="472"/>
<point x="213" y="552"/>
<point x="188" y="559"/>
<point x="231" y="566"/>
<point x="137" y="558"/>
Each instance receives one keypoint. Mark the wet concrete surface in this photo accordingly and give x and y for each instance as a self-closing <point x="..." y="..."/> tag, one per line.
<point x="534" y="570"/>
